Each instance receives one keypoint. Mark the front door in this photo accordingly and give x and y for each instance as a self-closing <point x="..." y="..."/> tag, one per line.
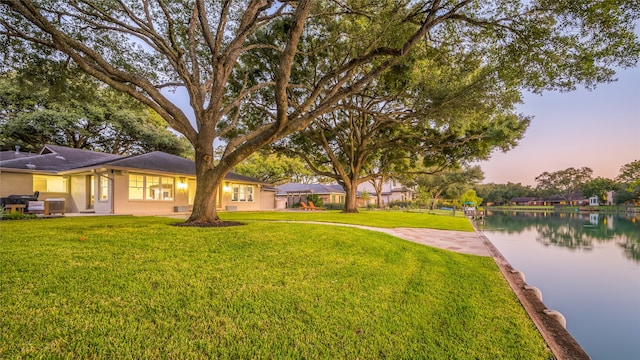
<point x="90" y="192"/>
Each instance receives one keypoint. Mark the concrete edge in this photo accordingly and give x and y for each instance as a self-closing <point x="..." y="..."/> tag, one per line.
<point x="560" y="341"/>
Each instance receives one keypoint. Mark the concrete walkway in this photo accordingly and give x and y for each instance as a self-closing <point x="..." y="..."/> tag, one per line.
<point x="466" y="242"/>
<point x="458" y="241"/>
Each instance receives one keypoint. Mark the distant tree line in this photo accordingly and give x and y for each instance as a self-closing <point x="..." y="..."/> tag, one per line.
<point x="567" y="183"/>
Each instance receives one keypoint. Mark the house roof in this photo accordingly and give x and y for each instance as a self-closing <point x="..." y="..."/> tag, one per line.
<point x="10" y="155"/>
<point x="522" y="199"/>
<point x="237" y="177"/>
<point x="401" y="189"/>
<point x="290" y="188"/>
<point x="156" y="161"/>
<point x="55" y="159"/>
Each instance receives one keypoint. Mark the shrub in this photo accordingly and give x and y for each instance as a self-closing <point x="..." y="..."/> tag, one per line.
<point x="315" y="199"/>
<point x="16" y="216"/>
<point x="333" y="206"/>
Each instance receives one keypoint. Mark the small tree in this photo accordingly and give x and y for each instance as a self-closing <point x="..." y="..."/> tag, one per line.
<point x="470" y="198"/>
<point x="449" y="183"/>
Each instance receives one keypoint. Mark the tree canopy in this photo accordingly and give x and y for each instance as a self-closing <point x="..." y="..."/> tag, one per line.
<point x="630" y="177"/>
<point x="450" y="184"/>
<point x="598" y="187"/>
<point x="223" y="54"/>
<point x="275" y="169"/>
<point x="565" y="183"/>
<point x="53" y="103"/>
<point x="446" y="113"/>
<point x="501" y="194"/>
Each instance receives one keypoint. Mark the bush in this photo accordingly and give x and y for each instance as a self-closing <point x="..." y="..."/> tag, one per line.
<point x="315" y="199"/>
<point x="15" y="216"/>
<point x="333" y="206"/>
<point x="399" y="204"/>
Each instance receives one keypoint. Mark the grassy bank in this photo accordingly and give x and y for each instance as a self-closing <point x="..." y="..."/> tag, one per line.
<point x="384" y="219"/>
<point x="125" y="287"/>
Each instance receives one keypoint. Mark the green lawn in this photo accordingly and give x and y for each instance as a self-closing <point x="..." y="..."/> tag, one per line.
<point x="383" y="219"/>
<point x="131" y="287"/>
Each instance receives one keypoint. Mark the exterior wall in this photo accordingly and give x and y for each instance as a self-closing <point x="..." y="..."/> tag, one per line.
<point x="262" y="200"/>
<point x="15" y="184"/>
<point x="610" y="198"/>
<point x="325" y="198"/>
<point x="123" y="206"/>
<point x="102" y="206"/>
<point x="78" y="195"/>
<point x="368" y="187"/>
<point x="399" y="196"/>
<point x="117" y="202"/>
<point x="267" y="200"/>
<point x="388" y="194"/>
<point x="22" y="184"/>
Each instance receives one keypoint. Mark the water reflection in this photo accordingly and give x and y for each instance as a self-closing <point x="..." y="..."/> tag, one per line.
<point x="572" y="230"/>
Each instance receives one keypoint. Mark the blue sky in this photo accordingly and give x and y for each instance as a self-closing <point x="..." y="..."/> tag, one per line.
<point x="599" y="129"/>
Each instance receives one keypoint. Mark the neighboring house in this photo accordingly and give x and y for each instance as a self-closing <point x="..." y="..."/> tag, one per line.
<point x="392" y="191"/>
<point x="574" y="200"/>
<point x="523" y="201"/>
<point x="290" y="194"/>
<point x="554" y="200"/>
<point x="611" y="195"/>
<point x="156" y="183"/>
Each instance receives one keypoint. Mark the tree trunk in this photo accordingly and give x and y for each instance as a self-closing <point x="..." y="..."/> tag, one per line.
<point x="208" y="182"/>
<point x="350" y="202"/>
<point x="204" y="205"/>
<point x="377" y="186"/>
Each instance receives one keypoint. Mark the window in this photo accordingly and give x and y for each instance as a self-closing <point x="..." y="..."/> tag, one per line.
<point x="44" y="183"/>
<point x="167" y="188"/>
<point x="136" y="187"/>
<point x="242" y="193"/>
<point x="153" y="187"/>
<point x="143" y="187"/>
<point x="103" y="188"/>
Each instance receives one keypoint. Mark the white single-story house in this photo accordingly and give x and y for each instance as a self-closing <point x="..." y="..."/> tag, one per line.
<point x="392" y="191"/>
<point x="156" y="183"/>
<point x="290" y="194"/>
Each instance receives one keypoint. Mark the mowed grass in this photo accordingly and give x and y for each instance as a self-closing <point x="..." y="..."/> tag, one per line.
<point x="131" y="288"/>
<point x="383" y="219"/>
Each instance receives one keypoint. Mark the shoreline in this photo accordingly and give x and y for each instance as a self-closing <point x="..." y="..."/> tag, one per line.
<point x="562" y="344"/>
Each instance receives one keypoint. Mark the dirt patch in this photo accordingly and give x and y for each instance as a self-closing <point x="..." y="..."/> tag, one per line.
<point x="214" y="224"/>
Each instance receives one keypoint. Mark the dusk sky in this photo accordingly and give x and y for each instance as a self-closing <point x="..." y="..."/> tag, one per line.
<point x="599" y="129"/>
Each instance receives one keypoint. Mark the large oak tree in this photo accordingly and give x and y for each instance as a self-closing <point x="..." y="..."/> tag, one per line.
<point x="325" y="51"/>
<point x="446" y="109"/>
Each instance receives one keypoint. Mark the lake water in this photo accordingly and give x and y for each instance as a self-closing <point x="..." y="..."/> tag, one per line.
<point x="587" y="267"/>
